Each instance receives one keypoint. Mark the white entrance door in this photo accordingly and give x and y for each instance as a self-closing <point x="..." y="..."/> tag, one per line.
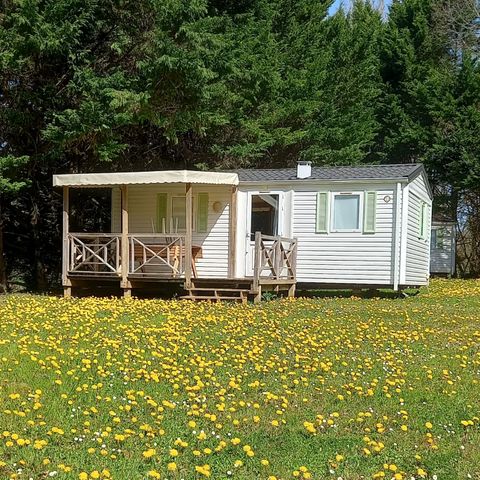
<point x="265" y="215"/>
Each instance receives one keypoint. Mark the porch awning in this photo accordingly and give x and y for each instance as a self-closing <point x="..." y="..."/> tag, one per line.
<point x="144" y="178"/>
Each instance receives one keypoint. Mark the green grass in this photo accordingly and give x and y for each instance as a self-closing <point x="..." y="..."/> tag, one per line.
<point x="355" y="369"/>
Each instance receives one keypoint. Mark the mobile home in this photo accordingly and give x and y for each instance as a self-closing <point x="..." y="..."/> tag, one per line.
<point x="236" y="233"/>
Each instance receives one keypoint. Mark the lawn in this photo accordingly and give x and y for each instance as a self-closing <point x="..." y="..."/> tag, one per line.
<point x="334" y="388"/>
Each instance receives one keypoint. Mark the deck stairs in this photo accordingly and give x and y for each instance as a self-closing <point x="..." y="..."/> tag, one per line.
<point x="233" y="290"/>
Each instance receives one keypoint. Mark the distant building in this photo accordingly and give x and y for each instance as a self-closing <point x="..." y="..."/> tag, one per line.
<point x="442" y="247"/>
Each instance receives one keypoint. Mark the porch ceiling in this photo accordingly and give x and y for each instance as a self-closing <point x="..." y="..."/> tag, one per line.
<point x="144" y="178"/>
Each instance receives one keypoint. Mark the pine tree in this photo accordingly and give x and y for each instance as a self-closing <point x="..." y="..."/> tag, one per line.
<point x="347" y="88"/>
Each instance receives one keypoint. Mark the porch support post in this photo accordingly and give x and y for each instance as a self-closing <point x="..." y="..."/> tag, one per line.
<point x="66" y="282"/>
<point x="404" y="235"/>
<point x="188" y="235"/>
<point x="256" y="287"/>
<point x="232" y="232"/>
<point x="397" y="222"/>
<point x="125" y="284"/>
<point x="293" y="266"/>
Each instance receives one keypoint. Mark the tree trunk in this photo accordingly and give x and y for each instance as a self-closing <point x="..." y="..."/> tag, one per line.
<point x="39" y="277"/>
<point x="3" y="269"/>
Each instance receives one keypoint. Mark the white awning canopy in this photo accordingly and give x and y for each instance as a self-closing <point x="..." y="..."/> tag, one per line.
<point x="144" y="178"/>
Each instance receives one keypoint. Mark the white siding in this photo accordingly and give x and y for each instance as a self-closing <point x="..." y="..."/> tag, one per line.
<point x="142" y="205"/>
<point x="442" y="260"/>
<point x="331" y="258"/>
<point x="418" y="249"/>
<point x="340" y="257"/>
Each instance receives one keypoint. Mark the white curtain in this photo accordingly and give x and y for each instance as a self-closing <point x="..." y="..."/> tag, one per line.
<point x="346" y="211"/>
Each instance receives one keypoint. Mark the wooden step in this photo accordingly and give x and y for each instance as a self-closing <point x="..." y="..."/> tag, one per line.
<point x="217" y="294"/>
<point x="221" y="282"/>
<point x="214" y="289"/>
<point x="213" y="298"/>
<point x="208" y="297"/>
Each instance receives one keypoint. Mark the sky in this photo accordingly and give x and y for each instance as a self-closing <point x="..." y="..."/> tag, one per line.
<point x="337" y="3"/>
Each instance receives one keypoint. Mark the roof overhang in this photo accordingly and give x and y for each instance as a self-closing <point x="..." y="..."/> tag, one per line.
<point x="313" y="181"/>
<point x="437" y="223"/>
<point x="144" y="178"/>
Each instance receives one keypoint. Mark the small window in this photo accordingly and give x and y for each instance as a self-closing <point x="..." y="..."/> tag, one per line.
<point x="346" y="212"/>
<point x="179" y="213"/>
<point x="438" y="238"/>
<point x="162" y="218"/>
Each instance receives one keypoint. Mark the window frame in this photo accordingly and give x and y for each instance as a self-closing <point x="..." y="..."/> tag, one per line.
<point x="358" y="193"/>
<point x="169" y="212"/>
<point x="434" y="238"/>
<point x="281" y="206"/>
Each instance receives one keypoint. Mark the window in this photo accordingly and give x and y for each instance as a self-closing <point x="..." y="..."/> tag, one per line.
<point x="438" y="238"/>
<point x="346" y="212"/>
<point x="179" y="214"/>
<point x="162" y="220"/>
<point x="264" y="215"/>
<point x="172" y="213"/>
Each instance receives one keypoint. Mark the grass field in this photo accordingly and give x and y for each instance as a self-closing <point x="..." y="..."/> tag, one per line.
<point x="334" y="388"/>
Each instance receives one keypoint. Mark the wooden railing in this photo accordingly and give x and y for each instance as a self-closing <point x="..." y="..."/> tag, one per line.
<point x="164" y="255"/>
<point x="97" y="253"/>
<point x="148" y="255"/>
<point x="157" y="255"/>
<point x="275" y="259"/>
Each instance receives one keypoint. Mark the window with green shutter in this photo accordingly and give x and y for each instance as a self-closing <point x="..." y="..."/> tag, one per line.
<point x="322" y="213"/>
<point x="162" y="224"/>
<point x="370" y="212"/>
<point x="202" y="212"/>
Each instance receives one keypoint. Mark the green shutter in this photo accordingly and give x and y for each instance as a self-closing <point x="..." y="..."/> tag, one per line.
<point x="322" y="213"/>
<point x="420" y="222"/>
<point x="162" y="212"/>
<point x="424" y="220"/>
<point x="202" y="212"/>
<point x="370" y="212"/>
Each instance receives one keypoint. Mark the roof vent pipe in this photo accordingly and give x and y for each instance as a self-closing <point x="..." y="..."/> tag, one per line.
<point x="304" y="169"/>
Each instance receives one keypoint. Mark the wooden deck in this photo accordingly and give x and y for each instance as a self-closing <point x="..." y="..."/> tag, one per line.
<point x="164" y="258"/>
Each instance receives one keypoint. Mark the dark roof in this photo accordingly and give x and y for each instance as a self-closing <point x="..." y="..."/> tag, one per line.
<point x="442" y="218"/>
<point x="363" y="172"/>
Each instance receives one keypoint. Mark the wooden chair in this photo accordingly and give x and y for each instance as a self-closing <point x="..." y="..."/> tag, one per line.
<point x="175" y="252"/>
